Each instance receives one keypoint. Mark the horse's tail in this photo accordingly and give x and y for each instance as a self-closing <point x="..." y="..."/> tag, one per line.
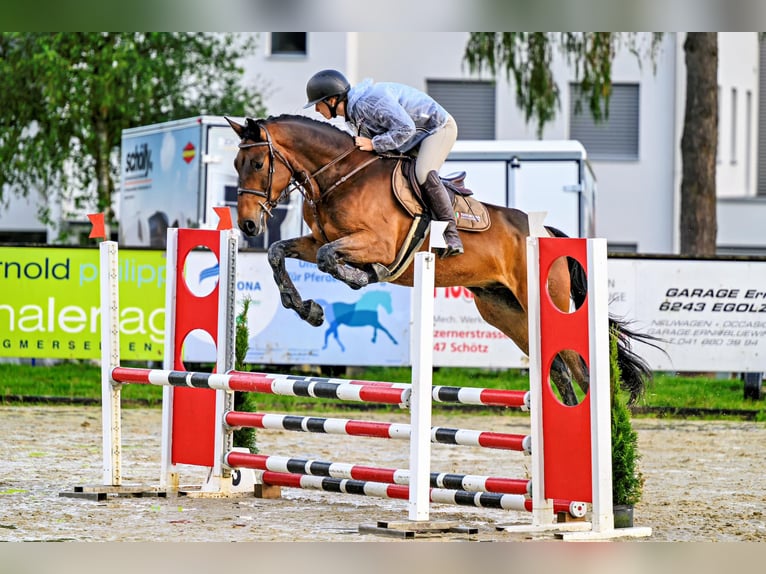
<point x="635" y="371"/>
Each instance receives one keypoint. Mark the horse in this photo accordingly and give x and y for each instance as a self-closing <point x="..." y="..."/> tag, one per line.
<point x="358" y="229"/>
<point x="362" y="313"/>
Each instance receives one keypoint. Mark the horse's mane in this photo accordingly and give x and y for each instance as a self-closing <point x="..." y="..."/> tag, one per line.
<point x="311" y="123"/>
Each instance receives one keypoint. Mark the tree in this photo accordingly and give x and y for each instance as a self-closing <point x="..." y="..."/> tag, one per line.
<point x="67" y="97"/>
<point x="527" y="57"/>
<point x="699" y="145"/>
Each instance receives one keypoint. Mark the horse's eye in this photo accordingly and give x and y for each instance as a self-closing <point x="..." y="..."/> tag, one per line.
<point x="255" y="164"/>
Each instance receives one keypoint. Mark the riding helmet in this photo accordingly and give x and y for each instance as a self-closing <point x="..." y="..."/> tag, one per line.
<point x="325" y="84"/>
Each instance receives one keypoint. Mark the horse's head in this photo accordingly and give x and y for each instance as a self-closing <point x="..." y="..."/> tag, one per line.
<point x="264" y="175"/>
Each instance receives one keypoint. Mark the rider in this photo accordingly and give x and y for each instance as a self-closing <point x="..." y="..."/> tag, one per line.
<point x="394" y="117"/>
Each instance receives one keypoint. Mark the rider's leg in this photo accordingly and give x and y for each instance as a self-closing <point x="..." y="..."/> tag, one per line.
<point x="431" y="155"/>
<point x="438" y="201"/>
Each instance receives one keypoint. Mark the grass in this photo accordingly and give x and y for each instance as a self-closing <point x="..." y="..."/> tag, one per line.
<point x="712" y="397"/>
<point x="68" y="380"/>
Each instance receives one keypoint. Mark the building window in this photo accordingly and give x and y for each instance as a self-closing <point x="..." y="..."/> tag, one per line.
<point x="613" y="247"/>
<point x="613" y="138"/>
<point x="733" y="158"/>
<point x="471" y="103"/>
<point x="288" y="43"/>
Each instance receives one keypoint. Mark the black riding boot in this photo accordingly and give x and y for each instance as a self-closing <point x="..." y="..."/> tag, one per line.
<point x="437" y="199"/>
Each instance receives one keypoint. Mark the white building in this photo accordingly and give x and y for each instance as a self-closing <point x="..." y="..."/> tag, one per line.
<point x="635" y="154"/>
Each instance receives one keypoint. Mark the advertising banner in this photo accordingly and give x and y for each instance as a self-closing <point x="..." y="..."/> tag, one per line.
<point x="49" y="303"/>
<point x="709" y="315"/>
<point x="370" y="326"/>
<point x="463" y="339"/>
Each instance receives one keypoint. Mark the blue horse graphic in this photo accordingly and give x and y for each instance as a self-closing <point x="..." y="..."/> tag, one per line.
<point x="363" y="313"/>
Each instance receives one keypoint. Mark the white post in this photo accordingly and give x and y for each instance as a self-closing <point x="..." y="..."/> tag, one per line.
<point x="110" y="357"/>
<point x="542" y="508"/>
<point x="168" y="472"/>
<point x="422" y="379"/>
<point x="225" y="356"/>
<point x="600" y="386"/>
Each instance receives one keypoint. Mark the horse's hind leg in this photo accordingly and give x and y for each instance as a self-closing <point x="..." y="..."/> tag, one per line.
<point x="562" y="377"/>
<point x="303" y="248"/>
<point x="576" y="368"/>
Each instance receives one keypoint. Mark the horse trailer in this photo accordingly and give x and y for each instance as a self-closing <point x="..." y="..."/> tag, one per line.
<point x="174" y="173"/>
<point x="533" y="176"/>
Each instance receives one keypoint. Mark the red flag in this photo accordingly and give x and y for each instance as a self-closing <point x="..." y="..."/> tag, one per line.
<point x="224" y="218"/>
<point x="98" y="231"/>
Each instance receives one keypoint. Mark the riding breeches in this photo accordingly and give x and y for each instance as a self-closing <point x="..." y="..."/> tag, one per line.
<point x="435" y="148"/>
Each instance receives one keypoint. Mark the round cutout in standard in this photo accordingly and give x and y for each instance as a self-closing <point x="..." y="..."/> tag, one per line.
<point x="201" y="271"/>
<point x="569" y="377"/>
<point x="199" y="347"/>
<point x="567" y="284"/>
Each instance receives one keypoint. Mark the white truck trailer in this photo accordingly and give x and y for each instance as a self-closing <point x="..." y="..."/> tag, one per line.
<point x="174" y="173"/>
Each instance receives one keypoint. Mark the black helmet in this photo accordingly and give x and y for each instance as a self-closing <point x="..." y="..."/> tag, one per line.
<point x="325" y="84"/>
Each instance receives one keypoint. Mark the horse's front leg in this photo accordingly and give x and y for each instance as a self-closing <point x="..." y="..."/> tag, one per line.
<point x="305" y="249"/>
<point x="337" y="258"/>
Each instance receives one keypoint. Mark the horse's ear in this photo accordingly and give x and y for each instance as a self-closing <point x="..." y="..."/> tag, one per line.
<point x="236" y="127"/>
<point x="252" y="126"/>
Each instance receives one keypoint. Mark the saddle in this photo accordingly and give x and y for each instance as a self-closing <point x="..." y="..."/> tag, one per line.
<point x="470" y="214"/>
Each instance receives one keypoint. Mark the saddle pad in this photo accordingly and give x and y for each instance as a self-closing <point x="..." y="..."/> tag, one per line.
<point x="470" y="214"/>
<point x="404" y="193"/>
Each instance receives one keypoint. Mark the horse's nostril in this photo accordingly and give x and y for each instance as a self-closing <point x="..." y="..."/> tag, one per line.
<point x="248" y="226"/>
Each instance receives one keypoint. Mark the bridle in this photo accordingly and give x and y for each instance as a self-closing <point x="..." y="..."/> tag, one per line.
<point x="268" y="204"/>
<point x="305" y="179"/>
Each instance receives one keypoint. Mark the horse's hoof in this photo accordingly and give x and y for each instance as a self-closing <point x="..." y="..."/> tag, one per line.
<point x="315" y="313"/>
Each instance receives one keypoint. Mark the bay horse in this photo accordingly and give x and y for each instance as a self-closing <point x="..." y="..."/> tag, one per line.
<point x="358" y="228"/>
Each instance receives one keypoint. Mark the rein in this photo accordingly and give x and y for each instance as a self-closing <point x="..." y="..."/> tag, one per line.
<point x="268" y="204"/>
